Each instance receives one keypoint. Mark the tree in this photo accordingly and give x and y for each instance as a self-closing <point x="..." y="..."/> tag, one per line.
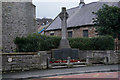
<point x="108" y="21"/>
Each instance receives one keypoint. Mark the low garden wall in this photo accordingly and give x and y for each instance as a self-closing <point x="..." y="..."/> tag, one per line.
<point x="112" y="57"/>
<point x="38" y="60"/>
<point x="24" y="61"/>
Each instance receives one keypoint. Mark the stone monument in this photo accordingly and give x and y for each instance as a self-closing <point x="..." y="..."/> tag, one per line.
<point x="64" y="50"/>
<point x="64" y="43"/>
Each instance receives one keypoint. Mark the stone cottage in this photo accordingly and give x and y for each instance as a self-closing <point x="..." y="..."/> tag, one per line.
<point x="80" y="21"/>
<point x="18" y="19"/>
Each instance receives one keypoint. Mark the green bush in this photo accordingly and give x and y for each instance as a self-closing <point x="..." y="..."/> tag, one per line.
<point x="103" y="43"/>
<point x="37" y="42"/>
<point x="96" y="43"/>
<point x="80" y="43"/>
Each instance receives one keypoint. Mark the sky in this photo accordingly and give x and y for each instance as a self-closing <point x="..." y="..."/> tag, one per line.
<point x="51" y="8"/>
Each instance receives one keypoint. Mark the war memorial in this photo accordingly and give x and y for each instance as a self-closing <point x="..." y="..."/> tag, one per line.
<point x="63" y="60"/>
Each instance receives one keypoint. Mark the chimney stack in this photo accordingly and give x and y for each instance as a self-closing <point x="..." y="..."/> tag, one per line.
<point x="81" y="4"/>
<point x="82" y="1"/>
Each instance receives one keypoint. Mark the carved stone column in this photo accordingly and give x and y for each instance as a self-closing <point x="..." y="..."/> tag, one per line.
<point x="64" y="43"/>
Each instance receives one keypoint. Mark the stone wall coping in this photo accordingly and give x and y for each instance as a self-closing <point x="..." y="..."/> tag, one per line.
<point x="101" y="51"/>
<point x="42" y="52"/>
<point x="20" y="53"/>
<point x="35" y="53"/>
<point x="25" y="53"/>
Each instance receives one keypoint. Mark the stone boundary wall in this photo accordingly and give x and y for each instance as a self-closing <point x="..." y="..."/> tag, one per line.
<point x="38" y="60"/>
<point x="112" y="57"/>
<point x="24" y="61"/>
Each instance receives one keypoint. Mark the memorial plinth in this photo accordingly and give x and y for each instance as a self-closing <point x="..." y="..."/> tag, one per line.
<point x="64" y="51"/>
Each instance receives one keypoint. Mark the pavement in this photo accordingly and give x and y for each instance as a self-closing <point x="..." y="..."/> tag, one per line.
<point x="92" y="70"/>
<point x="90" y="75"/>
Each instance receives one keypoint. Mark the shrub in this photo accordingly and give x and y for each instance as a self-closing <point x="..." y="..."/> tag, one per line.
<point x="80" y="43"/>
<point x="37" y="42"/>
<point x="96" y="43"/>
<point x="103" y="43"/>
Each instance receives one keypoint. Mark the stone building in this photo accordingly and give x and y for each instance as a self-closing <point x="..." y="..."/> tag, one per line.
<point x="42" y="24"/>
<point x="80" y="21"/>
<point x="18" y="19"/>
<point x="43" y="21"/>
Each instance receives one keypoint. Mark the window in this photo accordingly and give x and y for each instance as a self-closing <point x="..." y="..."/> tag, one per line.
<point x="85" y="33"/>
<point x="69" y="33"/>
<point x="52" y="33"/>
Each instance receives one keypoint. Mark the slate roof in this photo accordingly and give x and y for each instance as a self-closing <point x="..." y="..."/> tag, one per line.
<point x="80" y="16"/>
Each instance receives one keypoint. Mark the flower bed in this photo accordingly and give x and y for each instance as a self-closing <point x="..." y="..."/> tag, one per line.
<point x="64" y="61"/>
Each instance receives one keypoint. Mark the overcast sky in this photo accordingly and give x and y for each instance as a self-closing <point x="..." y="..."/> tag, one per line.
<point x="51" y="8"/>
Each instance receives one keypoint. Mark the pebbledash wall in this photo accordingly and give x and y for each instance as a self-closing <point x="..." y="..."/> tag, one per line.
<point x="18" y="19"/>
<point x="76" y="32"/>
<point x="38" y="60"/>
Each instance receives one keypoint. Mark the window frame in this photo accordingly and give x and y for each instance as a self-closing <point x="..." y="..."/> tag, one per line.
<point x="85" y="33"/>
<point x="70" y="34"/>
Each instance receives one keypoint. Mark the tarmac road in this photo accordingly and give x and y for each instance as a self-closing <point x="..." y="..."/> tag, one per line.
<point x="61" y="71"/>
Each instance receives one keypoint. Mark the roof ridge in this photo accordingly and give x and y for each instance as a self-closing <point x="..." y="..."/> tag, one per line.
<point x="73" y="8"/>
<point x="85" y="5"/>
<point x="92" y="3"/>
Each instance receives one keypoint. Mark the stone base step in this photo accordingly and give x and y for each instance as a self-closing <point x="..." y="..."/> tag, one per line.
<point x="55" y="67"/>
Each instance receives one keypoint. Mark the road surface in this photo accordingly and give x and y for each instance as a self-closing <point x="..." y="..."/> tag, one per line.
<point x="62" y="71"/>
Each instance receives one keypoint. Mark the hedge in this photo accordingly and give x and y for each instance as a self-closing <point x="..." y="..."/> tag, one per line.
<point x="37" y="42"/>
<point x="96" y="43"/>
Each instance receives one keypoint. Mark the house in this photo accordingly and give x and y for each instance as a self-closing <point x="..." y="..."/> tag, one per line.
<point x="18" y="19"/>
<point x="80" y="21"/>
<point x="42" y="24"/>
